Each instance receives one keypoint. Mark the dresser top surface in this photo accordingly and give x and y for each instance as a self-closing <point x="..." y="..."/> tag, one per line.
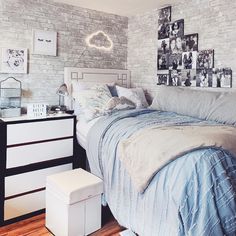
<point x="25" y="118"/>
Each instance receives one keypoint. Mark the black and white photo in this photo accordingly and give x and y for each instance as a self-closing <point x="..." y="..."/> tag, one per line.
<point x="14" y="60"/>
<point x="204" y="78"/>
<point x="163" y="61"/>
<point x="226" y="79"/>
<point x="163" y="46"/>
<point x="190" y="43"/>
<point x="205" y="59"/>
<point x="164" y="18"/>
<point x="189" y="60"/>
<point x="175" y="45"/>
<point x="177" y="28"/>
<point x="175" y="61"/>
<point x="175" y="78"/>
<point x="162" y="79"/>
<point x="188" y="78"/>
<point x="221" y="77"/>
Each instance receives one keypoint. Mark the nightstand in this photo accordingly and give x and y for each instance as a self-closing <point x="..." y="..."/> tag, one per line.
<point x="30" y="150"/>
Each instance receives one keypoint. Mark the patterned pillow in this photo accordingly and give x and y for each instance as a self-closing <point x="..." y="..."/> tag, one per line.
<point x="136" y="95"/>
<point x="93" y="101"/>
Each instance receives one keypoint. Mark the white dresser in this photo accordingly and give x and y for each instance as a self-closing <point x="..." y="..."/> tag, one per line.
<point x="30" y="150"/>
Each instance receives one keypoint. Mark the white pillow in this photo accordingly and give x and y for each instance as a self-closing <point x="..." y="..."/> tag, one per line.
<point x="185" y="101"/>
<point x="136" y="95"/>
<point x="224" y="109"/>
<point x="93" y="101"/>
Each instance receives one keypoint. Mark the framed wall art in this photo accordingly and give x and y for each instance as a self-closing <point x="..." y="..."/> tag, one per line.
<point x="14" y="60"/>
<point x="45" y="42"/>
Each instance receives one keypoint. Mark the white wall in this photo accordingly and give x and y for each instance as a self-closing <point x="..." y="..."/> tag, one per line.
<point x="213" y="20"/>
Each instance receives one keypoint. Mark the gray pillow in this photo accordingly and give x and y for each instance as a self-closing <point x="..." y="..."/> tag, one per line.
<point x="185" y="101"/>
<point x="224" y="109"/>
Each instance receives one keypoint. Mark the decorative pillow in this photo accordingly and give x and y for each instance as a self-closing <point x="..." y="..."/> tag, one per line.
<point x="224" y="109"/>
<point x="121" y="103"/>
<point x="136" y="95"/>
<point x="93" y="101"/>
<point x="196" y="103"/>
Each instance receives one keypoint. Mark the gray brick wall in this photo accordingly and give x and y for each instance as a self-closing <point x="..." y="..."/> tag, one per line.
<point x="19" y="17"/>
<point x="213" y="20"/>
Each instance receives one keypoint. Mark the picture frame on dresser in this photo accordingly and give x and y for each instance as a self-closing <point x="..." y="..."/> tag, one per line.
<point x="46" y="146"/>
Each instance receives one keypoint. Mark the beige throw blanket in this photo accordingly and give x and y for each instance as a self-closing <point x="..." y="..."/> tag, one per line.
<point x="148" y="150"/>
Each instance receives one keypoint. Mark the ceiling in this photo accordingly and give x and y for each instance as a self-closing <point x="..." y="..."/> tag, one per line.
<point x="119" y="7"/>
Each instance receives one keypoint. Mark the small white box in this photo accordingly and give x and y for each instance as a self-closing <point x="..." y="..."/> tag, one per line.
<point x="73" y="203"/>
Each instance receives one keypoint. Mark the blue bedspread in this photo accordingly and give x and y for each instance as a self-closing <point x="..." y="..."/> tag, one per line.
<point x="193" y="195"/>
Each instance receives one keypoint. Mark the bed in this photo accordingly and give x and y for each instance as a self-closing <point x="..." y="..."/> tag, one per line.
<point x="191" y="193"/>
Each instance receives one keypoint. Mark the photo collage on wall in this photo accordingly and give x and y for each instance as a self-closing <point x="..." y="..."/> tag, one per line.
<point x="179" y="60"/>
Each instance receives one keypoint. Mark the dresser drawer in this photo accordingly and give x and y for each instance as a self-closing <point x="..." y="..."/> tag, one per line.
<point x="23" y="205"/>
<point x="28" y="154"/>
<point x="22" y="183"/>
<point x="36" y="131"/>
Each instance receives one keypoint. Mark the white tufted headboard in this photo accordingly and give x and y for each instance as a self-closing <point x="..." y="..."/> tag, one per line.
<point x="93" y="75"/>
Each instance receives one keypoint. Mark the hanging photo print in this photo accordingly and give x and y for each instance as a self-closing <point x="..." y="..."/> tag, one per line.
<point x="189" y="60"/>
<point x="164" y="18"/>
<point x="190" y="43"/>
<point x="221" y="78"/>
<point x="175" y="78"/>
<point x="176" y="45"/>
<point x="177" y="28"/>
<point x="163" y="46"/>
<point x="188" y="78"/>
<point x="162" y="79"/>
<point x="175" y="61"/>
<point x="205" y="59"/>
<point x="204" y="78"/>
<point x="163" y="62"/>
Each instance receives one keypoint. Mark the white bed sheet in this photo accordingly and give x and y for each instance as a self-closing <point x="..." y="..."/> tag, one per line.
<point x="82" y="130"/>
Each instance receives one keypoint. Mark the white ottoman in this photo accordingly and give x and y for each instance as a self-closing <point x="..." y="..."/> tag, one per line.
<point x="73" y="203"/>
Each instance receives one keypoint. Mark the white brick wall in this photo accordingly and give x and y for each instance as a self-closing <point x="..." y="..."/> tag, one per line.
<point x="19" y="17"/>
<point x="213" y="20"/>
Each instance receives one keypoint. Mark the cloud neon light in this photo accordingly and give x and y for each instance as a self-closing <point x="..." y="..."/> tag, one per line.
<point x="99" y="40"/>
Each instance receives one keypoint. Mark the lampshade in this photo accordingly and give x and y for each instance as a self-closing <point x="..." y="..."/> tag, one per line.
<point x="62" y="90"/>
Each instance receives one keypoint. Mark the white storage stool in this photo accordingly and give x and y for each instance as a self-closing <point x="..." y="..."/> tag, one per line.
<point x="73" y="203"/>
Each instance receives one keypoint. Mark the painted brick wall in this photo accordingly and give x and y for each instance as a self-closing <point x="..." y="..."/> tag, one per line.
<point x="19" y="17"/>
<point x="214" y="20"/>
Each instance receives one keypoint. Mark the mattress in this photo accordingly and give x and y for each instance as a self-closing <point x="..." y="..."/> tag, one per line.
<point x="82" y="130"/>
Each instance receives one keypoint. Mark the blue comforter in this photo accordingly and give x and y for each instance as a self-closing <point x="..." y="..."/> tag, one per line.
<point x="193" y="195"/>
